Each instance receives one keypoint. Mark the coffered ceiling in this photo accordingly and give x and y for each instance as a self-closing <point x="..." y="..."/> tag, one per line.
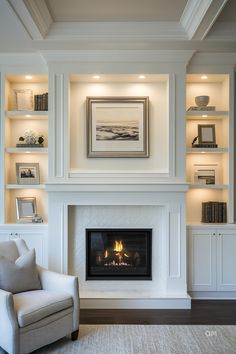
<point x="203" y="25"/>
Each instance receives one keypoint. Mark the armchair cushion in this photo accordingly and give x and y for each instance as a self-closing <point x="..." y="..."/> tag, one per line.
<point x="33" y="306"/>
<point x="21" y="275"/>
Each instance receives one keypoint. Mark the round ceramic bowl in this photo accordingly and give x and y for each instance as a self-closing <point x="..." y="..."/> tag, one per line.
<point x="202" y="101"/>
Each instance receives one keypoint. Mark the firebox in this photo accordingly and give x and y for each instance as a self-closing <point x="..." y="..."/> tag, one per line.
<point x="118" y="254"/>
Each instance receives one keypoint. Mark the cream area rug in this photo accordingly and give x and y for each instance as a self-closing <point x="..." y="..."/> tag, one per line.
<point x="148" y="339"/>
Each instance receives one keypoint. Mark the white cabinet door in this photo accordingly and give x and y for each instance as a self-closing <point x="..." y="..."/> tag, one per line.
<point x="202" y="260"/>
<point x="226" y="260"/>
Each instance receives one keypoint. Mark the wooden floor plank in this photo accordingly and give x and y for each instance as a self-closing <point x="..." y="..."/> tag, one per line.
<point x="208" y="312"/>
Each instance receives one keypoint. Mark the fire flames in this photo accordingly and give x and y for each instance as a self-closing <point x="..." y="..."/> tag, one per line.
<point x="116" y="256"/>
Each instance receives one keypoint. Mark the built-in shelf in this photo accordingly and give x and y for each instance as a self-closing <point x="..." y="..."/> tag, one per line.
<point x="204" y="115"/>
<point x="209" y="186"/>
<point x="190" y="150"/>
<point x="20" y="150"/>
<point x="27" y="114"/>
<point x="25" y="186"/>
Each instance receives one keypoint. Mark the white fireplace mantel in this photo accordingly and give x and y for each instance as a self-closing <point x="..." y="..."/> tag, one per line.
<point x="167" y="204"/>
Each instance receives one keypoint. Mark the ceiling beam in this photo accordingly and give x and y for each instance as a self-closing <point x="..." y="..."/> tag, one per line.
<point x="34" y="15"/>
<point x="199" y="16"/>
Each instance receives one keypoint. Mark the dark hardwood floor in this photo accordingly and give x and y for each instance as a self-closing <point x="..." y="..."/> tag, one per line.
<point x="208" y="312"/>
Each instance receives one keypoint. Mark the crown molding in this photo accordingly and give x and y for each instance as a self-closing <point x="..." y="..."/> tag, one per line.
<point x="219" y="60"/>
<point x="209" y="19"/>
<point x="31" y="61"/>
<point x="223" y="31"/>
<point x="34" y="16"/>
<point x="40" y="14"/>
<point x="116" y="30"/>
<point x="131" y="56"/>
<point x="193" y="15"/>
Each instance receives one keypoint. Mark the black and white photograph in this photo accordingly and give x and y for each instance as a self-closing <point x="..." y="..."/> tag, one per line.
<point x="117" y="126"/>
<point x="27" y="173"/>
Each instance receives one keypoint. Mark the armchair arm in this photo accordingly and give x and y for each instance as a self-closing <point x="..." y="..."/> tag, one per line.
<point x="62" y="283"/>
<point x="9" y="329"/>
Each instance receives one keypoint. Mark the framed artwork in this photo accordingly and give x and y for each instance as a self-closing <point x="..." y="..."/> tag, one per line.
<point x="205" y="174"/>
<point x="206" y="134"/>
<point x="117" y="126"/>
<point x="27" y="173"/>
<point x="25" y="209"/>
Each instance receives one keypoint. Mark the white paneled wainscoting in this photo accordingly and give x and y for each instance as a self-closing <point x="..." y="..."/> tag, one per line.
<point x="160" y="207"/>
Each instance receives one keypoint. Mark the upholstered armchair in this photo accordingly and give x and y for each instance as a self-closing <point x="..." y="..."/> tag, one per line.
<point x="34" y="318"/>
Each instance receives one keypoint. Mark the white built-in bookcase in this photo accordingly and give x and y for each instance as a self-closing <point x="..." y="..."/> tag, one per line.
<point x="218" y="88"/>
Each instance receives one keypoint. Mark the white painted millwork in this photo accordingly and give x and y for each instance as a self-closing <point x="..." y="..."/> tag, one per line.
<point x="211" y="260"/>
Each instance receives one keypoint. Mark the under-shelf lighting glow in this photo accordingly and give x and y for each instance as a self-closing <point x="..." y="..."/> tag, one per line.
<point x="204" y="116"/>
<point x="29" y="77"/>
<point x="203" y="77"/>
<point x="97" y="77"/>
<point x="203" y="152"/>
<point x="141" y="77"/>
<point x="28" y="152"/>
<point x="28" y="115"/>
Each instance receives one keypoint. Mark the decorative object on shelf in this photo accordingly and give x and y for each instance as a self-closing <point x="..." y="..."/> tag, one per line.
<point x="27" y="173"/>
<point x="25" y="209"/>
<point x="206" y="134"/>
<point x="204" y="145"/>
<point x="30" y="139"/>
<point x="214" y="212"/>
<point x="202" y="102"/>
<point x="24" y="100"/>
<point x="117" y="126"/>
<point x="205" y="174"/>
<point x="37" y="219"/>
<point x="41" y="102"/>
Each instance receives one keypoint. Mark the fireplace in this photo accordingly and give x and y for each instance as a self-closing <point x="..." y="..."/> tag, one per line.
<point x="118" y="254"/>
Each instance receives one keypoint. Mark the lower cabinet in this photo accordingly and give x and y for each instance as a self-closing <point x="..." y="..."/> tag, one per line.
<point x="211" y="259"/>
<point x="35" y="236"/>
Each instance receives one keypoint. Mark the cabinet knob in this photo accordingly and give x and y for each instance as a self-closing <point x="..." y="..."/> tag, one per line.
<point x="213" y="234"/>
<point x="219" y="234"/>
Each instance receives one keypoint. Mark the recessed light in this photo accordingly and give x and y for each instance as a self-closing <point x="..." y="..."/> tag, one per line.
<point x="28" y="115"/>
<point x="203" y="77"/>
<point x="28" y="152"/>
<point x="29" y="77"/>
<point x="96" y="77"/>
<point x="141" y="77"/>
<point x="204" y="116"/>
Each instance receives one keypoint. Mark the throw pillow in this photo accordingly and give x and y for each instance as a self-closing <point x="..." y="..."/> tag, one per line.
<point x="20" y="275"/>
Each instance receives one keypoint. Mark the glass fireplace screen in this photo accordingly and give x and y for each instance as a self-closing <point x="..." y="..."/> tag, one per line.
<point x="118" y="254"/>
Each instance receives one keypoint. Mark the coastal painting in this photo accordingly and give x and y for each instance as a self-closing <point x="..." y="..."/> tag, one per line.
<point x="117" y="127"/>
<point x="117" y="124"/>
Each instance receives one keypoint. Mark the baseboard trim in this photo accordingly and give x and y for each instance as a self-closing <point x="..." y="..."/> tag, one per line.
<point x="131" y="304"/>
<point x="213" y="295"/>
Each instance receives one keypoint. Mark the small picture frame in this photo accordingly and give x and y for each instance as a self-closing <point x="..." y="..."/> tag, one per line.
<point x="205" y="174"/>
<point x="206" y="134"/>
<point x="25" y="209"/>
<point x="27" y="173"/>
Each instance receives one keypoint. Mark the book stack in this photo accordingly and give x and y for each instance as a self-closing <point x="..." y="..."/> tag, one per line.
<point x="41" y="102"/>
<point x="214" y="212"/>
<point x="205" y="145"/>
